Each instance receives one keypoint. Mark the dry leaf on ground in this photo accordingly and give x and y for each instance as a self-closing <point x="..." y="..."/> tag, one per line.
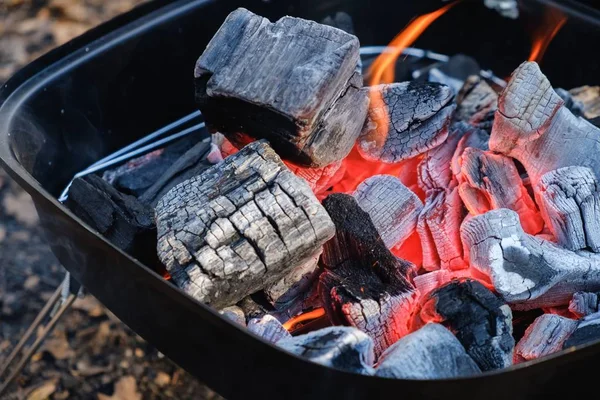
<point x="125" y="389"/>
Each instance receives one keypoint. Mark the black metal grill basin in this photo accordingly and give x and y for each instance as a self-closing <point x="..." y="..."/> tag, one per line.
<point x="133" y="74"/>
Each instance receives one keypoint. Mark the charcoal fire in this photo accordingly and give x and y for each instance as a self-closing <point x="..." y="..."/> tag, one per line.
<point x="263" y="79"/>
<point x="415" y="222"/>
<point x="239" y="227"/>
<point x="479" y="319"/>
<point x="364" y="285"/>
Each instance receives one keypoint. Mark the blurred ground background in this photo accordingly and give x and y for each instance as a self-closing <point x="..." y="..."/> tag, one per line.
<point x="91" y="354"/>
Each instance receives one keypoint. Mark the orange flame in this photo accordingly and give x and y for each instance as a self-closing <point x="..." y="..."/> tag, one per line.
<point x="552" y="22"/>
<point x="314" y="314"/>
<point x="382" y="69"/>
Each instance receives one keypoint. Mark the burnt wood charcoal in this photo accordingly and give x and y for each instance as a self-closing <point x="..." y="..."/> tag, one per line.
<point x="589" y="98"/>
<point x="527" y="271"/>
<point x="364" y="284"/>
<point x="268" y="328"/>
<point x="546" y="335"/>
<point x="437" y="226"/>
<point x="490" y="181"/>
<point x="588" y="331"/>
<point x="293" y="82"/>
<point x="475" y="138"/>
<point x="193" y="162"/>
<point x="584" y="303"/>
<point x="569" y="200"/>
<point x="533" y="126"/>
<point x="480" y="320"/>
<point x="339" y="347"/>
<point x="139" y="174"/>
<point x="393" y="207"/>
<point x="239" y="227"/>
<point x="120" y="218"/>
<point x="431" y="352"/>
<point x="284" y="293"/>
<point x="476" y="103"/>
<point x="404" y="120"/>
<point x="434" y="171"/>
<point x="319" y="179"/>
<point x="235" y="314"/>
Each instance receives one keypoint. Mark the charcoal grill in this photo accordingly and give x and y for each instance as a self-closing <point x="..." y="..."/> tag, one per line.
<point x="133" y="75"/>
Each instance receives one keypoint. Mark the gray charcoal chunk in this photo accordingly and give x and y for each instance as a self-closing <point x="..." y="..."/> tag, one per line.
<point x="431" y="352"/>
<point x="269" y="328"/>
<point x="338" y="347"/>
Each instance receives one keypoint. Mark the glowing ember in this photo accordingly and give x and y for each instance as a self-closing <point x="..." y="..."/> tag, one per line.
<point x="552" y="22"/>
<point x="307" y="316"/>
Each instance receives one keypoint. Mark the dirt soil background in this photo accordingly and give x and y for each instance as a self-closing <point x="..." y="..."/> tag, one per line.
<point x="91" y="354"/>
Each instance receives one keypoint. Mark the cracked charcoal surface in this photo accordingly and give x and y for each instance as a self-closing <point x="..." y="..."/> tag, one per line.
<point x="364" y="284"/>
<point x="533" y="126"/>
<point x="569" y="199"/>
<point x="546" y="335"/>
<point x="584" y="303"/>
<point x="527" y="271"/>
<point x="404" y="120"/>
<point x="393" y="207"/>
<point x="492" y="181"/>
<point x="239" y="227"/>
<point x="476" y="103"/>
<point x="432" y="352"/>
<point x="437" y="227"/>
<point x="293" y="82"/>
<point x="338" y="347"/>
<point x="480" y="320"/>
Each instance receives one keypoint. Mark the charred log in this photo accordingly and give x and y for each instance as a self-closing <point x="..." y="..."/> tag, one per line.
<point x="479" y="319"/>
<point x="438" y="229"/>
<point x="338" y="347"/>
<point x="432" y="352"/>
<point x="528" y="272"/>
<point x="191" y="163"/>
<point x="405" y="120"/>
<point x="263" y="79"/>
<point x="533" y="126"/>
<point x="569" y="200"/>
<point x="393" y="207"/>
<point x="491" y="181"/>
<point x="251" y="308"/>
<point x="364" y="285"/>
<point x="120" y="218"/>
<point x="139" y="174"/>
<point x="268" y="328"/>
<point x="239" y="227"/>
<point x="546" y="335"/>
